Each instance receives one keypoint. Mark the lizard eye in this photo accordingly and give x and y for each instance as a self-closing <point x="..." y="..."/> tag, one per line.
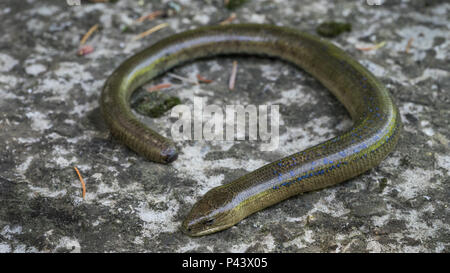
<point x="209" y="222"/>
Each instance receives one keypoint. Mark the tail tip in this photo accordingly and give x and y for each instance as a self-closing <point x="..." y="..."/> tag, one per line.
<point x="169" y="154"/>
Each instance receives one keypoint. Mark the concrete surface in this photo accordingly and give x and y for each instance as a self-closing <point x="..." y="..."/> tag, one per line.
<point x="50" y="122"/>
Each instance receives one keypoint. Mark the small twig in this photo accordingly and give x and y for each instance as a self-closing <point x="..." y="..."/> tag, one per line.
<point x="150" y="31"/>
<point x="229" y="19"/>
<point x="408" y="46"/>
<point x="377" y="46"/>
<point x="233" y="76"/>
<point x="82" y="182"/>
<point x="88" y="34"/>
<point x="158" y="87"/>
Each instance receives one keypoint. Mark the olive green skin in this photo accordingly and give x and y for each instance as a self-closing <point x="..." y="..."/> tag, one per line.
<point x="375" y="131"/>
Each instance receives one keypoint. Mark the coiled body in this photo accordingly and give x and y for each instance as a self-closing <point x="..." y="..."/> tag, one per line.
<point x="374" y="133"/>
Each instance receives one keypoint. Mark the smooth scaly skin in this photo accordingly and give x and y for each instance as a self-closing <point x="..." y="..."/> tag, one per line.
<point x="375" y="131"/>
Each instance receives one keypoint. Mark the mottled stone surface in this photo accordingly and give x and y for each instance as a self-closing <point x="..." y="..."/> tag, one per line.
<point x="50" y="122"/>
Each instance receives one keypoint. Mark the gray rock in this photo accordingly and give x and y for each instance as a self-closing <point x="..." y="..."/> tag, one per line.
<point x="50" y="122"/>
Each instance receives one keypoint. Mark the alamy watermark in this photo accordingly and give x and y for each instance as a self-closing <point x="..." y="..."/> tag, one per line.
<point x="208" y="122"/>
<point x="374" y="2"/>
<point x="73" y="2"/>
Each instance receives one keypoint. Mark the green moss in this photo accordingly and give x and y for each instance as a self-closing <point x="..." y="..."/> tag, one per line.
<point x="125" y="29"/>
<point x="233" y="4"/>
<point x="383" y="183"/>
<point x="155" y="104"/>
<point x="333" y="29"/>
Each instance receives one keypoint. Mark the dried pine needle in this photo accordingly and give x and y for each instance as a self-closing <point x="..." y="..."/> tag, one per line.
<point x="158" y="87"/>
<point x="233" y="76"/>
<point x="83" y="185"/>
<point x="150" y="16"/>
<point x="202" y="79"/>
<point x="408" y="46"/>
<point x="377" y="46"/>
<point x="150" y="31"/>
<point x="229" y="19"/>
<point x="88" y="34"/>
